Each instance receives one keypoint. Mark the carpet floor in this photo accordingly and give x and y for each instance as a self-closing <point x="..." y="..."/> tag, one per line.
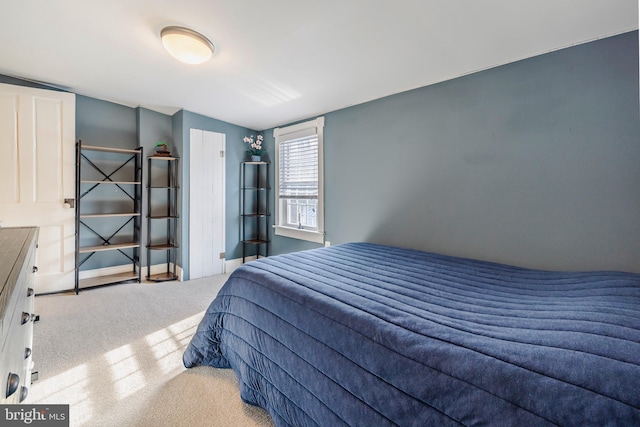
<point x="114" y="354"/>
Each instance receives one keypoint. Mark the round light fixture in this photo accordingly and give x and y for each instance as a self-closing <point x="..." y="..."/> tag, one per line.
<point x="186" y="45"/>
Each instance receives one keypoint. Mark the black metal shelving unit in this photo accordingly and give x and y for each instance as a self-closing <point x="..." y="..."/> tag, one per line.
<point x="164" y="189"/>
<point x="254" y="209"/>
<point x="121" y="162"/>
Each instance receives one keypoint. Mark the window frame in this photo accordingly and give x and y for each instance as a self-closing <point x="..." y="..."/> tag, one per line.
<point x="315" y="126"/>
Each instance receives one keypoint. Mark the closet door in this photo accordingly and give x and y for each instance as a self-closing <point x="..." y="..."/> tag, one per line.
<point x="37" y="172"/>
<point x="206" y="203"/>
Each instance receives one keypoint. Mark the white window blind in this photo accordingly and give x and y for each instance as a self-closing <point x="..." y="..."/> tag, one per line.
<point x="299" y="168"/>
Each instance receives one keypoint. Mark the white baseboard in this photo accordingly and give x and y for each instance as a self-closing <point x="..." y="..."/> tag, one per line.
<point x="231" y="264"/>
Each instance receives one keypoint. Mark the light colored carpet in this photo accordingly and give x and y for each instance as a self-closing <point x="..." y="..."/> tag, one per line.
<point x="115" y="355"/>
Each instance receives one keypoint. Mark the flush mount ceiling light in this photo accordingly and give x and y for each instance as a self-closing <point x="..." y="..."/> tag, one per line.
<point x="186" y="45"/>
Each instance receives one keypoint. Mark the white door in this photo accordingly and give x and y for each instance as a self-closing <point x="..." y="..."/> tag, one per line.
<point x="37" y="172"/>
<point x="206" y="203"/>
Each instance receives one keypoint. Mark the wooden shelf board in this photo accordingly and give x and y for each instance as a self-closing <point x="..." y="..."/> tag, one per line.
<point x="163" y="217"/>
<point x="107" y="279"/>
<point x="163" y="158"/>
<point x="108" y="215"/>
<point x="111" y="182"/>
<point x="111" y="247"/>
<point x="161" y="247"/>
<point x="109" y="149"/>
<point x="255" y="241"/>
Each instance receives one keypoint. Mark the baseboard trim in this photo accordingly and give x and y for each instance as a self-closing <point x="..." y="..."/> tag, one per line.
<point x="231" y="264"/>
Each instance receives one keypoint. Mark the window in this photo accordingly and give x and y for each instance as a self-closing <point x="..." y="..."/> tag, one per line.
<point x="299" y="181"/>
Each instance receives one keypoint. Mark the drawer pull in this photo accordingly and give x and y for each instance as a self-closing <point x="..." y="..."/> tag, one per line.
<point x="25" y="317"/>
<point x="30" y="292"/>
<point x="24" y="391"/>
<point x="35" y="269"/>
<point x="12" y="383"/>
<point x="27" y="352"/>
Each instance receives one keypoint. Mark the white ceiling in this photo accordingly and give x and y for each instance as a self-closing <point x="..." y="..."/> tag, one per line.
<point x="279" y="61"/>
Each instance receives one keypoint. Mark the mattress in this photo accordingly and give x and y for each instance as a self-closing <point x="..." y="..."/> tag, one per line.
<point x="372" y="335"/>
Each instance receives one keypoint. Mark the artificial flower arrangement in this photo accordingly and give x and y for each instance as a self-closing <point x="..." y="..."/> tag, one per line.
<point x="256" y="146"/>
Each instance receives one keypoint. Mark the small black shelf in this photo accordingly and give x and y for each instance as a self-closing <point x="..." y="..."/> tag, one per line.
<point x="254" y="208"/>
<point x="164" y="214"/>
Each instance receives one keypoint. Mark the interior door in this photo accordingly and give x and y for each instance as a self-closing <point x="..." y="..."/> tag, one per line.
<point x="206" y="203"/>
<point x="37" y="172"/>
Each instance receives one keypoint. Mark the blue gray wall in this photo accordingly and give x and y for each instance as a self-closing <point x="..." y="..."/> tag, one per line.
<point x="152" y="128"/>
<point x="103" y="123"/>
<point x="108" y="124"/>
<point x="535" y="163"/>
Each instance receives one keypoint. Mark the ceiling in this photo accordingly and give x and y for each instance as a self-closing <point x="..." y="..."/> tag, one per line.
<point x="282" y="60"/>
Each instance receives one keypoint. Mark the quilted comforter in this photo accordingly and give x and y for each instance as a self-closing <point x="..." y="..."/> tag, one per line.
<point x="370" y="335"/>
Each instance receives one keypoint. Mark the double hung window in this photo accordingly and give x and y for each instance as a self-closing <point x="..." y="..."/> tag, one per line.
<point x="299" y="181"/>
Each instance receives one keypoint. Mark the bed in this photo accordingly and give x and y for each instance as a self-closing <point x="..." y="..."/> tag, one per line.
<point x="372" y="335"/>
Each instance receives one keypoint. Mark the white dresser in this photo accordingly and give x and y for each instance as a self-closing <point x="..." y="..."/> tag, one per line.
<point x="17" y="271"/>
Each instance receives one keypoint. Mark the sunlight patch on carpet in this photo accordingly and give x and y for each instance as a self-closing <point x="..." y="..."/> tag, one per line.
<point x="70" y="387"/>
<point x="164" y="343"/>
<point x="126" y="373"/>
<point x="106" y="380"/>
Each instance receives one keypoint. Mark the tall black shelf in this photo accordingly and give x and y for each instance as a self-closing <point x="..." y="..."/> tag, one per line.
<point x="163" y="192"/>
<point x="126" y="165"/>
<point x="254" y="209"/>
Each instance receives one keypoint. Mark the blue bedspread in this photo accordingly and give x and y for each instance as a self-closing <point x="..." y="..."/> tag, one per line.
<point x="370" y="335"/>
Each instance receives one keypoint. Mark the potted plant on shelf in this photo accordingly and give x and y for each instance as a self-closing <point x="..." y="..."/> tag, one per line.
<point x="256" y="151"/>
<point x="162" y="149"/>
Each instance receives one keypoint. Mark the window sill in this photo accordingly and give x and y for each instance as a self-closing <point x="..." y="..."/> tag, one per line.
<point x="296" y="233"/>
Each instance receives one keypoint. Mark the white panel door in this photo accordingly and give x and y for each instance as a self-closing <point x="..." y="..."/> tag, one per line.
<point x="206" y="203"/>
<point x="37" y="171"/>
